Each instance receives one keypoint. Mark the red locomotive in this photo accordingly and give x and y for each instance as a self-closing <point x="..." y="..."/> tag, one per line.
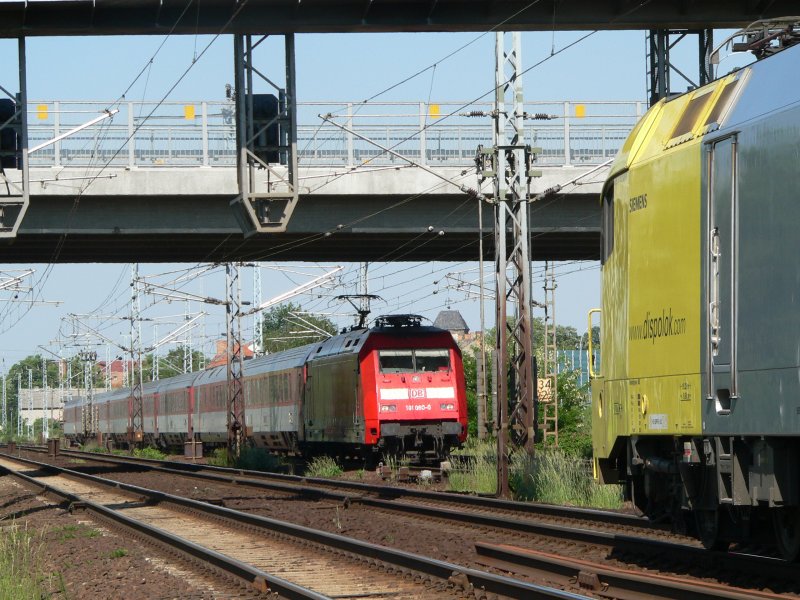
<point x="397" y="387"/>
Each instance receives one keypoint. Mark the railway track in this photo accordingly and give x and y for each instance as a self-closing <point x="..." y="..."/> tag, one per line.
<point x="384" y="496"/>
<point x="644" y="552"/>
<point x="310" y="563"/>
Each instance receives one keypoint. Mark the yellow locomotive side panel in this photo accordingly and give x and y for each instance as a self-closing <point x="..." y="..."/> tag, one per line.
<point x="663" y="320"/>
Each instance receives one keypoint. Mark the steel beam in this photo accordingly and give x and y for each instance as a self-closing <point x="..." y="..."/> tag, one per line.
<point x="267" y="143"/>
<point x="161" y="17"/>
<point x="203" y="228"/>
<point x="15" y="195"/>
<point x="664" y="77"/>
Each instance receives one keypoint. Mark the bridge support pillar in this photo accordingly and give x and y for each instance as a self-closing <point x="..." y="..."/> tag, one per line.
<point x="14" y="171"/>
<point x="266" y="135"/>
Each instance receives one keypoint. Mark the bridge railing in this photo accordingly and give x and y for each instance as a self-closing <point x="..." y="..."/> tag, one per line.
<point x="201" y="134"/>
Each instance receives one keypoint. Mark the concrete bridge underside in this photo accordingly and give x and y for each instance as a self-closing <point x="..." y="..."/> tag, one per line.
<point x="383" y="214"/>
<point x="323" y="228"/>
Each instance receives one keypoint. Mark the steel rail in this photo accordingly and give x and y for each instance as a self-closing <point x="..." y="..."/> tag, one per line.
<point x="382" y="491"/>
<point x="637" y="546"/>
<point x="612" y="582"/>
<point x="257" y="579"/>
<point x="445" y="571"/>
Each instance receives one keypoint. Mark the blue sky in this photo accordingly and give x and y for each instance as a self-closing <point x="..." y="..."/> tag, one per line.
<point x="340" y="67"/>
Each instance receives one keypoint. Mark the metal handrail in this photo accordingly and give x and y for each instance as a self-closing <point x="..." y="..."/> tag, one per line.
<point x="202" y="134"/>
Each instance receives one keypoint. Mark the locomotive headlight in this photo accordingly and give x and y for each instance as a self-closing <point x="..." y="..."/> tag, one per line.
<point x="385" y="408"/>
<point x="447" y="406"/>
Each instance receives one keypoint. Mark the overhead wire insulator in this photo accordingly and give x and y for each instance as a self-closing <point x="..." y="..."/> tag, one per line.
<point x="475" y="113"/>
<point x="472" y="193"/>
<point x="548" y="192"/>
<point x="540" y="116"/>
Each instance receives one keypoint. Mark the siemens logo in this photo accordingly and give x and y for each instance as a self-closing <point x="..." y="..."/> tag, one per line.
<point x="638" y="202"/>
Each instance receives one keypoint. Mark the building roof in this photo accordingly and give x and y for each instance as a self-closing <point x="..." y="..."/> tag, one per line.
<point x="451" y="320"/>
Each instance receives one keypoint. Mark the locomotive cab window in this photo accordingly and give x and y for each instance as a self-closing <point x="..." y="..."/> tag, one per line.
<point x="607" y="224"/>
<point x="432" y="360"/>
<point x="396" y="361"/>
<point x="414" y="361"/>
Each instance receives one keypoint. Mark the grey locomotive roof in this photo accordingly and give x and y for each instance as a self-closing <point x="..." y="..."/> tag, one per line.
<point x="765" y="88"/>
<point x="451" y="320"/>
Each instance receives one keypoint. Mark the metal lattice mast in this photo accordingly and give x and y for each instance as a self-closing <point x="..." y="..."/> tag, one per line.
<point x="258" y="316"/>
<point x="135" y="409"/>
<point x="154" y="355"/>
<point x="30" y="403"/>
<point x="187" y="342"/>
<point x="363" y="289"/>
<point x="45" y="423"/>
<point x="513" y="343"/>
<point x="60" y="379"/>
<point x="660" y="67"/>
<point x="549" y="399"/>
<point x="5" y="406"/>
<point x="233" y="304"/>
<point x="19" y="413"/>
<point x="108" y="367"/>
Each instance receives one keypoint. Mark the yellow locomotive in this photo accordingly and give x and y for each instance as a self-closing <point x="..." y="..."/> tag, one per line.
<point x="696" y="408"/>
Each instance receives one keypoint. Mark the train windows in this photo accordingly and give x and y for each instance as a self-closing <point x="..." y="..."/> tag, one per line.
<point x="396" y="361"/>
<point x="432" y="360"/>
<point x="607" y="224"/>
<point x="411" y="361"/>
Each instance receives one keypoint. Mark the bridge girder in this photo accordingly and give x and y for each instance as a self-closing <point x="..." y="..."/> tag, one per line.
<point x="330" y="228"/>
<point x="112" y="17"/>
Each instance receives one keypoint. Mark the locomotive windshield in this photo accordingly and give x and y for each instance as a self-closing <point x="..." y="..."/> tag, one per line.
<point x="414" y="361"/>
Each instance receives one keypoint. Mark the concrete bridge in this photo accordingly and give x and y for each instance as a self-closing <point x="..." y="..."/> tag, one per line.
<point x="121" y="191"/>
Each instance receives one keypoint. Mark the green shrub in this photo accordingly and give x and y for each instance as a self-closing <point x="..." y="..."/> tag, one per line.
<point x="21" y="570"/>
<point x="323" y="466"/>
<point x="219" y="457"/>
<point x="149" y="452"/>
<point x="118" y="553"/>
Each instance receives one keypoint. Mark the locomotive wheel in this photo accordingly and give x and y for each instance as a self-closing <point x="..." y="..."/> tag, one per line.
<point x="786" y="522"/>
<point x="707" y="522"/>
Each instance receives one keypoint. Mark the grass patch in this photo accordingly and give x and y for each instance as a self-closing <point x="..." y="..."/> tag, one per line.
<point x="118" y="553"/>
<point x="252" y="459"/>
<point x="323" y="466"/>
<point x="70" y="532"/>
<point x="22" y="575"/>
<point x="94" y="447"/>
<point x="219" y="457"/>
<point x="474" y="468"/>
<point x="149" y="452"/>
<point x="556" y="478"/>
<point x="552" y="477"/>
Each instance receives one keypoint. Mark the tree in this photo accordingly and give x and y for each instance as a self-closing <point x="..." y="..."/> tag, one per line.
<point x="172" y="364"/>
<point x="471" y="376"/>
<point x="287" y="326"/>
